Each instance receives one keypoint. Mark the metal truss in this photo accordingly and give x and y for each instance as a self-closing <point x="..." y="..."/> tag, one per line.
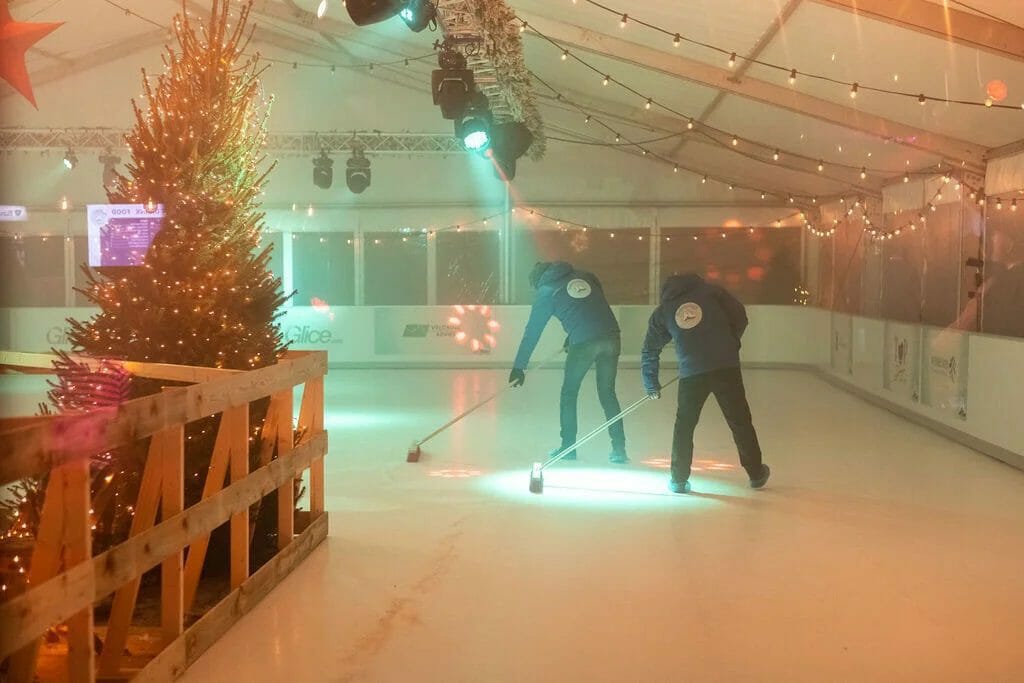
<point x="374" y="142"/>
<point x="459" y="24"/>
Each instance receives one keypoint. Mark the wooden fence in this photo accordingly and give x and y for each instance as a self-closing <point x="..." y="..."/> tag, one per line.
<point x="65" y="580"/>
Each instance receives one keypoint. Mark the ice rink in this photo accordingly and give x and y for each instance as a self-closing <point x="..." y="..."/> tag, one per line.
<point x="878" y="552"/>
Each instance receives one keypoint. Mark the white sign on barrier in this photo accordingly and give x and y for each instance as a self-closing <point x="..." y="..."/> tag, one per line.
<point x="902" y="360"/>
<point x="944" y="371"/>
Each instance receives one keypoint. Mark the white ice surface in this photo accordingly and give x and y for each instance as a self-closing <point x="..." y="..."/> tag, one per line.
<point x="878" y="552"/>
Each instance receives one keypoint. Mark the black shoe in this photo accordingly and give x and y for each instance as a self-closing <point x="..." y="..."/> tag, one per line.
<point x="618" y="456"/>
<point x="763" y="479"/>
<point x="679" y="486"/>
<point x="571" y="455"/>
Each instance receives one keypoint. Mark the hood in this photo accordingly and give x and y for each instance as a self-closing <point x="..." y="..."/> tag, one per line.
<point x="556" y="271"/>
<point x="678" y="286"/>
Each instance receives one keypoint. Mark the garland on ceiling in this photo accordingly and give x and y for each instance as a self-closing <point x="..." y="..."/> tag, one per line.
<point x="504" y="47"/>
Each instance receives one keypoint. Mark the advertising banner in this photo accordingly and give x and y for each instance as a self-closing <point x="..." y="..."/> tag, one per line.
<point x="842" y="343"/>
<point x="13" y="213"/>
<point x="903" y="360"/>
<point x="944" y="371"/>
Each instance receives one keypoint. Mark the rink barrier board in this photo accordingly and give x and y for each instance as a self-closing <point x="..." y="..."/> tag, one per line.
<point x="891" y="360"/>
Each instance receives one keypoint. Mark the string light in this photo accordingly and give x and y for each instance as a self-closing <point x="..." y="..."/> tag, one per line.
<point x="647" y="105"/>
<point x="732" y="60"/>
<point x="921" y="99"/>
<point x="775" y="155"/>
<point x="607" y="78"/>
<point x="565" y="55"/>
<point x="624" y="21"/>
<point x="792" y="77"/>
<point x="853" y="90"/>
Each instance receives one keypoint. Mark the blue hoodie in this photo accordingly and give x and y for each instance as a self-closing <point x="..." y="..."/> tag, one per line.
<point x="705" y="322"/>
<point x="574" y="297"/>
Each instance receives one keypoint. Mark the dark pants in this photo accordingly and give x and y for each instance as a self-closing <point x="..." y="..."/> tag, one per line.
<point x="604" y="354"/>
<point x="727" y="386"/>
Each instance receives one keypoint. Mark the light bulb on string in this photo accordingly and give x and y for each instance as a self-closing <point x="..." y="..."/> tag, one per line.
<point x="565" y="55"/>
<point x="775" y="155"/>
<point x="689" y="125"/>
<point x="732" y="60"/>
<point x="624" y="21"/>
<point x="676" y="40"/>
<point x="607" y="78"/>
<point x="792" y="77"/>
<point x="853" y="90"/>
<point x="647" y="105"/>
<point x="921" y="99"/>
<point x="735" y="141"/>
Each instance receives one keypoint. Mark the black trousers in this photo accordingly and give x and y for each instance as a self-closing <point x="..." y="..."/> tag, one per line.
<point x="603" y="354"/>
<point x="727" y="386"/>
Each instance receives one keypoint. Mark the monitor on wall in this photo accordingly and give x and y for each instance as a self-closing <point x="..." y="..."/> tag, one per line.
<point x="120" y="234"/>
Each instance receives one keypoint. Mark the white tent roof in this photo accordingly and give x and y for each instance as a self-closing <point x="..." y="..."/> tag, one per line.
<point x="85" y="72"/>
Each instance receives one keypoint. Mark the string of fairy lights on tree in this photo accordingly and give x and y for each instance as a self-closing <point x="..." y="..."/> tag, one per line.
<point x="854" y="88"/>
<point x="768" y="154"/>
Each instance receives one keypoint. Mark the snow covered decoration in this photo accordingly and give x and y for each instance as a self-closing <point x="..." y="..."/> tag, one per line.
<point x="504" y="47"/>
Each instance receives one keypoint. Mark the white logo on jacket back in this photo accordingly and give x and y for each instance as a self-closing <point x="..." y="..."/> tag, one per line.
<point x="578" y="288"/>
<point x="689" y="315"/>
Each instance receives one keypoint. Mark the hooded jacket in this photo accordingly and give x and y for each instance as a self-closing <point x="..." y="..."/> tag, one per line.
<point x="705" y="322"/>
<point x="576" y="298"/>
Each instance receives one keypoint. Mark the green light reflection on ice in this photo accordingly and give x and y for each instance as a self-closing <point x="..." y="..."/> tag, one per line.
<point x="605" y="487"/>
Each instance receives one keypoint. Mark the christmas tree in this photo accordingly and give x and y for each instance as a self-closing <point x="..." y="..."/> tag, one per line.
<point x="204" y="295"/>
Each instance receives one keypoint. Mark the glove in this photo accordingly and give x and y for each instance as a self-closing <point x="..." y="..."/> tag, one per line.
<point x="516" y="377"/>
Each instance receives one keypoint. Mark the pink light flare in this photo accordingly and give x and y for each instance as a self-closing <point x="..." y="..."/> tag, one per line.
<point x="494" y="325"/>
<point x="454" y="321"/>
<point x="460" y="337"/>
<point x="321" y="306"/>
<point x="460" y="310"/>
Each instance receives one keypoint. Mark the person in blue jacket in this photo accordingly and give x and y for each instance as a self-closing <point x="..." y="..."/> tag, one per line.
<point x="706" y="323"/>
<point x="575" y="297"/>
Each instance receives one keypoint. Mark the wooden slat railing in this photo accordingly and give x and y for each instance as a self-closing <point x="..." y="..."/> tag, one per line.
<point x="66" y="581"/>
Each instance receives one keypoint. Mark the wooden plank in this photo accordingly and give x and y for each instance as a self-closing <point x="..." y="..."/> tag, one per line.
<point x="46" y="557"/>
<point x="239" y="436"/>
<point x="172" y="602"/>
<point x="9" y="423"/>
<point x="78" y="552"/>
<point x="178" y="373"/>
<point x="172" y="662"/>
<point x="121" y="611"/>
<point x="311" y="418"/>
<point x="780" y="96"/>
<point x="215" y="474"/>
<point x="286" y="493"/>
<point x="943" y="22"/>
<point x="28" y="615"/>
<point x="31" y="450"/>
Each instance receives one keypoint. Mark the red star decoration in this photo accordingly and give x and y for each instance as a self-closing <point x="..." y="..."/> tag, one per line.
<point x="15" y="39"/>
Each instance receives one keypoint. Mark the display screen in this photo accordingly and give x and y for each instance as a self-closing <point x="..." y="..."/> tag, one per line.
<point x="120" y="234"/>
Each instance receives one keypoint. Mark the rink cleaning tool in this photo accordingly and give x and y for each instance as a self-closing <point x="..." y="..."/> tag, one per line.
<point x="537" y="471"/>
<point x="414" y="452"/>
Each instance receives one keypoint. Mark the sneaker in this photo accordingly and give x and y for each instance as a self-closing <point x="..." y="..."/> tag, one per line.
<point x="571" y="455"/>
<point x="679" y="486"/>
<point x="763" y="479"/>
<point x="618" y="457"/>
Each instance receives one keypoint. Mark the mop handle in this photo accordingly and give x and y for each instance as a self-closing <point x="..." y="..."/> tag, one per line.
<point x="482" y="403"/>
<point x="597" y="430"/>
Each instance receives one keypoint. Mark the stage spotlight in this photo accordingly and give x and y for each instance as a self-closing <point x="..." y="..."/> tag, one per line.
<point x="110" y="163"/>
<point x="509" y="141"/>
<point x="418" y="15"/>
<point x="452" y="85"/>
<point x="365" y="12"/>
<point x="323" y="171"/>
<point x="475" y="127"/>
<point x="70" y="160"/>
<point x="357" y="171"/>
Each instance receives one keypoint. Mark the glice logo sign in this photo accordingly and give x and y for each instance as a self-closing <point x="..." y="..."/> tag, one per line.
<point x="58" y="336"/>
<point x="306" y="334"/>
<point x="13" y="213"/>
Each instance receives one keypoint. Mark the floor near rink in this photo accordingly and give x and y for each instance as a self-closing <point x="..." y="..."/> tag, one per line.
<point x="878" y="552"/>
